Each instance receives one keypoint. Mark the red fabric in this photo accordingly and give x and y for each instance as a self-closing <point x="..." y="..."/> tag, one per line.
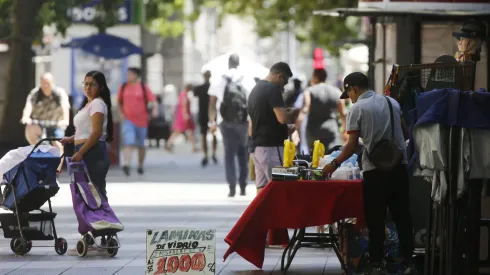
<point x="292" y="204"/>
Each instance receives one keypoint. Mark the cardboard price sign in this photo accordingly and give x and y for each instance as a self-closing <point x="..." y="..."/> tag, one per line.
<point x="180" y="251"/>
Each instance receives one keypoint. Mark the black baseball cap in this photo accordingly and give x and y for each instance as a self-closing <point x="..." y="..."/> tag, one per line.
<point x="354" y="79"/>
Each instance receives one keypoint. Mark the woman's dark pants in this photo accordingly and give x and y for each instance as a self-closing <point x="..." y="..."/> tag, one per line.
<point x="97" y="162"/>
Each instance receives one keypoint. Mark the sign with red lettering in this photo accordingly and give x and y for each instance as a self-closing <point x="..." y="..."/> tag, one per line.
<point x="180" y="251"/>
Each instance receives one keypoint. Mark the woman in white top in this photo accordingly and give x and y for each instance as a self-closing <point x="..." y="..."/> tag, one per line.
<point x="93" y="128"/>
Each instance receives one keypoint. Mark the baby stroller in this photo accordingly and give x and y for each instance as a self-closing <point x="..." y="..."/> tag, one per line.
<point x="28" y="185"/>
<point x="95" y="216"/>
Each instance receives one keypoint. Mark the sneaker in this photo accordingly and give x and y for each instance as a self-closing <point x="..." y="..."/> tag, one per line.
<point x="243" y="192"/>
<point x="231" y="194"/>
<point x="126" y="170"/>
<point x="215" y="160"/>
<point x="141" y="171"/>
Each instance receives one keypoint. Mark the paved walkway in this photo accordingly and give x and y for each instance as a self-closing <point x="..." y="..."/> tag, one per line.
<point x="175" y="192"/>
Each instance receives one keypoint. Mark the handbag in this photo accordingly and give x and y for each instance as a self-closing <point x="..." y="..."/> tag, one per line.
<point x="385" y="155"/>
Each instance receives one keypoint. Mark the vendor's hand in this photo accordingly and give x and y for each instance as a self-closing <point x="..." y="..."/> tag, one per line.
<point x="328" y="170"/>
<point x="67" y="140"/>
<point x="77" y="157"/>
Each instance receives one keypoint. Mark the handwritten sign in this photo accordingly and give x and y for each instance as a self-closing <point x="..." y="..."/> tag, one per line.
<point x="180" y="251"/>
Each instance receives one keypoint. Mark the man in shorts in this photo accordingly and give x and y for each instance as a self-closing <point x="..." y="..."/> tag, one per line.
<point x="268" y="124"/>
<point x="133" y="108"/>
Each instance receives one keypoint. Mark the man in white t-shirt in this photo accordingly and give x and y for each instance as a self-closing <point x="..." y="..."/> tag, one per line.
<point x="229" y="95"/>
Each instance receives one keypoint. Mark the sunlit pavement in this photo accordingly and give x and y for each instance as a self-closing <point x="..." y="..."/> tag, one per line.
<point x="174" y="192"/>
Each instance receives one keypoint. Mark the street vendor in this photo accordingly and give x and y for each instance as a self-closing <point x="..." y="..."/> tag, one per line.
<point x="377" y="120"/>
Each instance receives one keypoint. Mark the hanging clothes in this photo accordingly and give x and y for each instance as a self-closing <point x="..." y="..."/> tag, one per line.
<point x="436" y="112"/>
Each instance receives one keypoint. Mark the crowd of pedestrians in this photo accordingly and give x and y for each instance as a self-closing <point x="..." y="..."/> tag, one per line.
<point x="254" y="117"/>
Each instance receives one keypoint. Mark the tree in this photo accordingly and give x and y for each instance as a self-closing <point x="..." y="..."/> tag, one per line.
<point x="273" y="16"/>
<point x="27" y="19"/>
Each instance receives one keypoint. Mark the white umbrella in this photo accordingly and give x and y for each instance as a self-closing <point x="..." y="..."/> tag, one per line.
<point x="219" y="66"/>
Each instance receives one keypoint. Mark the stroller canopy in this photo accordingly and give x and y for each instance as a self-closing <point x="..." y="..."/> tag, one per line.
<point x="34" y="179"/>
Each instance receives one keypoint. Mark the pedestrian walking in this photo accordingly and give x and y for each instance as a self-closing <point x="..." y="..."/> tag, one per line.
<point x="93" y="128"/>
<point x="230" y="93"/>
<point x="183" y="123"/>
<point x="269" y="119"/>
<point x="135" y="106"/>
<point x="201" y="92"/>
<point x="323" y="106"/>
<point x="377" y="120"/>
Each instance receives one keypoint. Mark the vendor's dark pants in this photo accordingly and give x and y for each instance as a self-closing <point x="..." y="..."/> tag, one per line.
<point x="97" y="162"/>
<point x="390" y="190"/>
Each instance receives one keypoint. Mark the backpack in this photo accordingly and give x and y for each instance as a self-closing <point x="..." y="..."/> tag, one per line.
<point x="233" y="109"/>
<point x="147" y="104"/>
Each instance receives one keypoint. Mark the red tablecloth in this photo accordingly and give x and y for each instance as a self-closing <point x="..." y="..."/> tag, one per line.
<point x="292" y="204"/>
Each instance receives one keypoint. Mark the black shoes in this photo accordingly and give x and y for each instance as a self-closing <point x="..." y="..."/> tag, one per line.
<point x="233" y="192"/>
<point x="126" y="171"/>
<point x="205" y="161"/>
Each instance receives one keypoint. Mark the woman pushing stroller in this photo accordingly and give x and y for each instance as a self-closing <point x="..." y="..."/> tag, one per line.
<point x="93" y="128"/>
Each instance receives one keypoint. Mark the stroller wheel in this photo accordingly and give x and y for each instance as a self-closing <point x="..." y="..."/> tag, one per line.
<point x="20" y="246"/>
<point x="82" y="248"/>
<point x="112" y="245"/>
<point x="29" y="246"/>
<point x="61" y="246"/>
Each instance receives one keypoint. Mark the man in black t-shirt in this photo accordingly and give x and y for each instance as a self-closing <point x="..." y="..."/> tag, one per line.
<point x="201" y="92"/>
<point x="268" y="122"/>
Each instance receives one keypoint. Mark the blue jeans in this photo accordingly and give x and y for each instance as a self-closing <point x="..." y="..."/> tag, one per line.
<point x="134" y="135"/>
<point x="97" y="162"/>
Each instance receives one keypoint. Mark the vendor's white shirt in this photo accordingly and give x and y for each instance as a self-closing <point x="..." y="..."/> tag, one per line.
<point x="83" y="122"/>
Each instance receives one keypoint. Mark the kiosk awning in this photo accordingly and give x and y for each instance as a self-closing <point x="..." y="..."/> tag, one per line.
<point x="384" y="12"/>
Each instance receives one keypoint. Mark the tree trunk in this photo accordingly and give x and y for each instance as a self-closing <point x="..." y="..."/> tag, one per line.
<point x="21" y="71"/>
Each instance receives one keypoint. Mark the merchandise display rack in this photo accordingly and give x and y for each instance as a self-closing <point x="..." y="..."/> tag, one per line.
<point x="452" y="246"/>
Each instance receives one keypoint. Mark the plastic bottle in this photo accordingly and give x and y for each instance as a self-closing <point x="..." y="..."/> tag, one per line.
<point x="350" y="172"/>
<point x="357" y="171"/>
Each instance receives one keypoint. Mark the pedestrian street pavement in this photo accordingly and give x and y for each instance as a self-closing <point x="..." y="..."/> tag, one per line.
<point x="175" y="192"/>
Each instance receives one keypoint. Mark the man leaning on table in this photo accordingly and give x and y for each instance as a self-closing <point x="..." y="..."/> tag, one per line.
<point x="370" y="119"/>
<point x="268" y="124"/>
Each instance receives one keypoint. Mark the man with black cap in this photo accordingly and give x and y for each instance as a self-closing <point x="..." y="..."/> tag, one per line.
<point x="377" y="120"/>
<point x="230" y="93"/>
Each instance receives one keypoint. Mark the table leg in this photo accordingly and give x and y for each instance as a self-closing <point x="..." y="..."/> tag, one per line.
<point x="288" y="250"/>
